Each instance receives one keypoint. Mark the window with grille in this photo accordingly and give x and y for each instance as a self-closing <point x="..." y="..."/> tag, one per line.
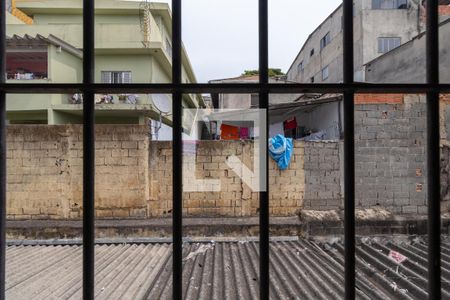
<point x="386" y="44"/>
<point x="348" y="88"/>
<point x="116" y="77"/>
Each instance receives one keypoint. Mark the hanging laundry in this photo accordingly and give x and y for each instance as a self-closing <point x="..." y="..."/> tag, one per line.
<point x="244" y="133"/>
<point x="290" y="123"/>
<point x="280" y="149"/>
<point x="229" y="132"/>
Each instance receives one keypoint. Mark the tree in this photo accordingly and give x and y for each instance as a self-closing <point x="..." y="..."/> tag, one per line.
<point x="272" y="72"/>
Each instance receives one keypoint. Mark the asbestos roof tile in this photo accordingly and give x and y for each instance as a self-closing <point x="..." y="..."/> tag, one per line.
<point x="299" y="269"/>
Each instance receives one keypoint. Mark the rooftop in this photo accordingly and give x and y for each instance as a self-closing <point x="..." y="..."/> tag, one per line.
<point x="299" y="268"/>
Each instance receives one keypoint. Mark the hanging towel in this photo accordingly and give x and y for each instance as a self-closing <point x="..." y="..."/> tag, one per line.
<point x="280" y="149"/>
<point x="228" y="132"/>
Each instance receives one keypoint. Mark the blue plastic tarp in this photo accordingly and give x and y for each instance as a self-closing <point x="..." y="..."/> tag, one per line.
<point x="280" y="149"/>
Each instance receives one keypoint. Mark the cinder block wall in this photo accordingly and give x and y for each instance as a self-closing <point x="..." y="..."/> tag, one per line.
<point x="323" y="186"/>
<point x="390" y="155"/>
<point x="45" y="171"/>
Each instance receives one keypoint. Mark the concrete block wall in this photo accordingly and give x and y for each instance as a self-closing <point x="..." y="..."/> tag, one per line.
<point x="390" y="155"/>
<point x="323" y="189"/>
<point x="207" y="160"/>
<point x="44" y="175"/>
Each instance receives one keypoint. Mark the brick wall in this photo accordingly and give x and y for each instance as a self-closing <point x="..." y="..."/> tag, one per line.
<point x="45" y="171"/>
<point x="444" y="10"/>
<point x="378" y="98"/>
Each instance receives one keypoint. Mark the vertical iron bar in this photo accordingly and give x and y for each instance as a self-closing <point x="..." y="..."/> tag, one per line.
<point x="2" y="149"/>
<point x="349" y="153"/>
<point x="433" y="153"/>
<point x="263" y="195"/>
<point x="88" y="151"/>
<point x="177" y="149"/>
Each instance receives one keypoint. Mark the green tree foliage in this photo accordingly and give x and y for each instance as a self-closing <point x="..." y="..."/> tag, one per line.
<point x="272" y="72"/>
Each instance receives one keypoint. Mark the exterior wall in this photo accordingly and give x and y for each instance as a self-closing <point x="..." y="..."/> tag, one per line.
<point x="64" y="67"/>
<point x="369" y="25"/>
<point x="139" y="65"/>
<point x="234" y="101"/>
<point x="45" y="171"/>
<point x="119" y="47"/>
<point x="406" y="64"/>
<point x="235" y="198"/>
<point x="10" y="19"/>
<point x="323" y="178"/>
<point x="390" y="155"/>
<point x="403" y="23"/>
<point x="134" y="176"/>
<point x="331" y="55"/>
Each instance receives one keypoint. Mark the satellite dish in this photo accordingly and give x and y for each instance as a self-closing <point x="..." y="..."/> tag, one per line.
<point x="162" y="103"/>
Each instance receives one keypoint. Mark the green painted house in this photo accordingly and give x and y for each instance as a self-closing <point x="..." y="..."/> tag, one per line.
<point x="132" y="45"/>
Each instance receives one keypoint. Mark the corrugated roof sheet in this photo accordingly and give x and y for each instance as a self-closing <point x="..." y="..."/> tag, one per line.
<point x="300" y="269"/>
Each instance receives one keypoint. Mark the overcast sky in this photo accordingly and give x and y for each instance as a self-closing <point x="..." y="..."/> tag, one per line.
<point x="221" y="36"/>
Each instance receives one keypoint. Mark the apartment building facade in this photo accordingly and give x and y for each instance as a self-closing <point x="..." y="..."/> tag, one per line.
<point x="132" y="45"/>
<point x="379" y="27"/>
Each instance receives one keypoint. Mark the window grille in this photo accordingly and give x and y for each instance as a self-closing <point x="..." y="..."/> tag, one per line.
<point x="432" y="88"/>
<point x="386" y="44"/>
<point x="112" y="77"/>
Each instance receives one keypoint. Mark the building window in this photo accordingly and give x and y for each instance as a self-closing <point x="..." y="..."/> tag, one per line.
<point x="300" y="67"/>
<point x="389" y="4"/>
<point x="254" y="101"/>
<point x="312" y="52"/>
<point x="168" y="48"/>
<point x="325" y="40"/>
<point x="116" y="77"/>
<point x="312" y="79"/>
<point x="325" y="73"/>
<point x="386" y="44"/>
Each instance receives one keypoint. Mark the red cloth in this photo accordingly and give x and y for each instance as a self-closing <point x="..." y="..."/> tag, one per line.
<point x="290" y="123"/>
<point x="228" y="132"/>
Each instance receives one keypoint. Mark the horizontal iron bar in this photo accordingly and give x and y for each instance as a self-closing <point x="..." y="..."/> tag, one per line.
<point x="235" y="88"/>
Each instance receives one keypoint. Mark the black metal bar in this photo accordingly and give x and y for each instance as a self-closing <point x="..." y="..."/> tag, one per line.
<point x="88" y="151"/>
<point x="177" y="148"/>
<point x="264" y="286"/>
<point x="349" y="152"/>
<point x="433" y="153"/>
<point x="235" y="88"/>
<point x="2" y="150"/>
